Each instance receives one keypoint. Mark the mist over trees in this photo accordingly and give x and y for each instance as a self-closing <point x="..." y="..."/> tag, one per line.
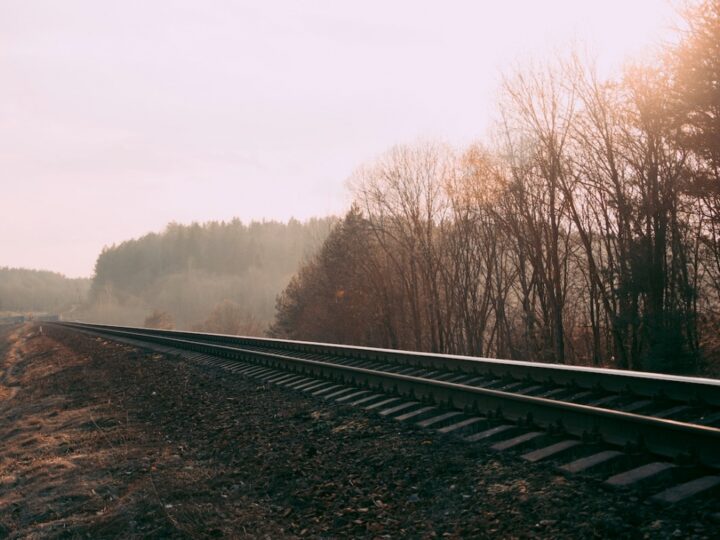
<point x="587" y="232"/>
<point x="201" y="276"/>
<point x="40" y="291"/>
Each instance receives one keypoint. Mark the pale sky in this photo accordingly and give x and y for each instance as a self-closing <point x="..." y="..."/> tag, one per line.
<point x="119" y="116"/>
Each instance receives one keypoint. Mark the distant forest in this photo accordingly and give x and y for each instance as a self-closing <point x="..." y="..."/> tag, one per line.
<point x="586" y="231"/>
<point x="216" y="276"/>
<point x="23" y="291"/>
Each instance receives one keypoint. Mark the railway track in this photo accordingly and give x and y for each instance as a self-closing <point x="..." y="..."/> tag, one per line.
<point x="656" y="432"/>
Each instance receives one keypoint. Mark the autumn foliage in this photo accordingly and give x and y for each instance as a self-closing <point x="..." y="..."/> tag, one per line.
<point x="587" y="232"/>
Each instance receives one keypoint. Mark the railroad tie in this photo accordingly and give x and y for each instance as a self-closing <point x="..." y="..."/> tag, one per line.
<point x="639" y="474"/>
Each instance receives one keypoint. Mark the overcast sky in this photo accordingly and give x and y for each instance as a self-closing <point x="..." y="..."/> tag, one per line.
<point x="117" y="117"/>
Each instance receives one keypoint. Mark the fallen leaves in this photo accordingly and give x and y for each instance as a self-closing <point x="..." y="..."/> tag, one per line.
<point x="233" y="458"/>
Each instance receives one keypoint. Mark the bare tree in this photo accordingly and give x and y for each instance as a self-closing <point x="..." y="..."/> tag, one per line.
<point x="538" y="115"/>
<point x="403" y="200"/>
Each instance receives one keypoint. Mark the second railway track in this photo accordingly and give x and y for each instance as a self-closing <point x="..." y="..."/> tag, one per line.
<point x="640" y="428"/>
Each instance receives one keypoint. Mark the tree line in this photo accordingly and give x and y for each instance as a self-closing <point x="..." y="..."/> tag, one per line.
<point x="215" y="276"/>
<point x="23" y="290"/>
<point x="586" y="231"/>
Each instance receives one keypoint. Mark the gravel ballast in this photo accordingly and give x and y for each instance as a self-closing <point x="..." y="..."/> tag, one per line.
<point x="104" y="440"/>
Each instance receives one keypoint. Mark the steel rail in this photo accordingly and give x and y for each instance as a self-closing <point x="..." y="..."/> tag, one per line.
<point x="653" y="385"/>
<point x="664" y="437"/>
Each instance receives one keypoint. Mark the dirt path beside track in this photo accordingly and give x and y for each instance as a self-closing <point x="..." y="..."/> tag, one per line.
<point x="101" y="440"/>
